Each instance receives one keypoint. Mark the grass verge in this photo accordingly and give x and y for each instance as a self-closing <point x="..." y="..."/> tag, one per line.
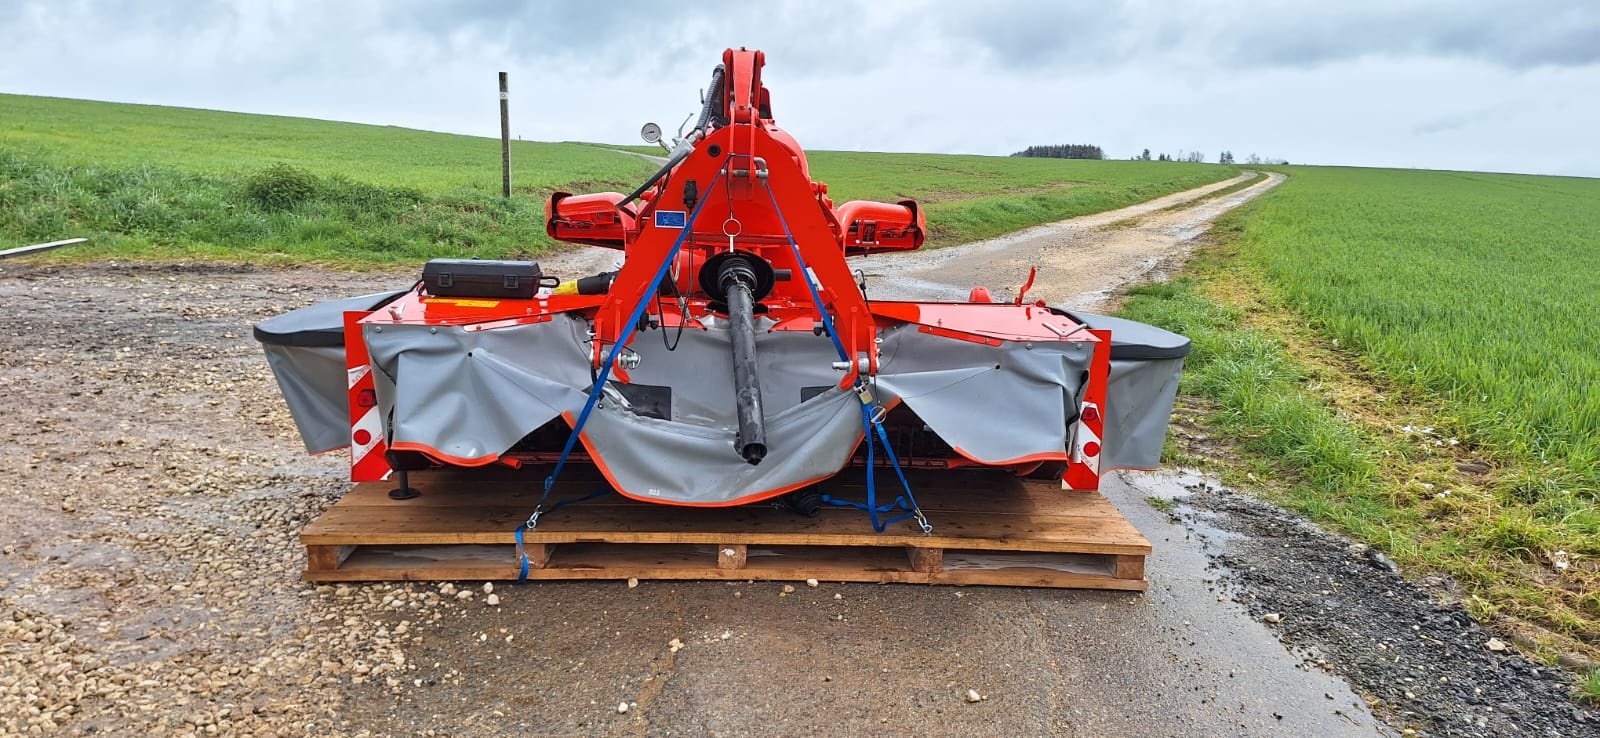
<point x="1589" y="687"/>
<point x="1322" y="432"/>
<point x="159" y="183"/>
<point x="280" y="213"/>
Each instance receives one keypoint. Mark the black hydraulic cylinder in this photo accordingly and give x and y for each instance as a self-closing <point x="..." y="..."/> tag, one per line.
<point x="752" y="439"/>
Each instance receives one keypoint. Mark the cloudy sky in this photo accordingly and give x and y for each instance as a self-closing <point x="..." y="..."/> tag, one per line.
<point x="1509" y="85"/>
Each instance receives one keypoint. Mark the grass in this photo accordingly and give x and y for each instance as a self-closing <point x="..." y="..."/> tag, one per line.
<point x="146" y="182"/>
<point x="1400" y="354"/>
<point x="116" y="136"/>
<point x="1589" y="687"/>
<point x="975" y="197"/>
<point x="1472" y="286"/>
<point x="156" y="183"/>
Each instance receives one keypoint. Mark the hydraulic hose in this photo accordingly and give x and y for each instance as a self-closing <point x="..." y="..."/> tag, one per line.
<point x="686" y="146"/>
<point x="714" y="95"/>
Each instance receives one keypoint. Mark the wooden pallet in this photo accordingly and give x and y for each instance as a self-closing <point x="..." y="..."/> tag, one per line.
<point x="988" y="529"/>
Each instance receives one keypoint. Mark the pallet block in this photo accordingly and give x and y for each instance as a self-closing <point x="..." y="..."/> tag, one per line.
<point x="989" y="528"/>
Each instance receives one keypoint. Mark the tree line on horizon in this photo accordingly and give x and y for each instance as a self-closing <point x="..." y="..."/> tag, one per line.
<point x="1090" y="151"/>
<point x="1063" y="151"/>
<point x="1225" y="157"/>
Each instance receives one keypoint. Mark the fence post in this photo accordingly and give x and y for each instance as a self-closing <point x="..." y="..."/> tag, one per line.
<point x="505" y="138"/>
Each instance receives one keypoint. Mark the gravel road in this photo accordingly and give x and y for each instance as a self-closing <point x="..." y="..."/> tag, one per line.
<point x="1081" y="261"/>
<point x="153" y="487"/>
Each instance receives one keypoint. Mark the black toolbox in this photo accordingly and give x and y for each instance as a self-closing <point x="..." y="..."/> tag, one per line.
<point x="484" y="278"/>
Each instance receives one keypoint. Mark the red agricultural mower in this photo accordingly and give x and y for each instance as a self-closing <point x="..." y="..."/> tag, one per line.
<point x="734" y="357"/>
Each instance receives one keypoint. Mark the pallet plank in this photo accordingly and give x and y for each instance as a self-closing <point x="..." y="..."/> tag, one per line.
<point x="684" y="562"/>
<point x="386" y="526"/>
<point x="989" y="529"/>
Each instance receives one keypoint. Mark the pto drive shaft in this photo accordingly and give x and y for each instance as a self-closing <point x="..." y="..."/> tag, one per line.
<point x="737" y="279"/>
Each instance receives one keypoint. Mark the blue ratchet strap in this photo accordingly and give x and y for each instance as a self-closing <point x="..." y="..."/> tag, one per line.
<point x="805" y="272"/>
<point x="605" y="369"/>
<point x="906" y="502"/>
<point x="522" y="555"/>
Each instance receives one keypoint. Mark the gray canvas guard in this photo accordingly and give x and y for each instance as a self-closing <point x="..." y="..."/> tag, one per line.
<point x="305" y="349"/>
<point x="470" y="395"/>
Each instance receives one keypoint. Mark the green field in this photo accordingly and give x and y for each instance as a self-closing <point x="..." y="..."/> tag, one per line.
<point x="163" y="183"/>
<point x="973" y="197"/>
<point x="1416" y="354"/>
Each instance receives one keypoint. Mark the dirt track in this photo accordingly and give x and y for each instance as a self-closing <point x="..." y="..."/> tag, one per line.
<point x="1080" y="261"/>
<point x="149" y="579"/>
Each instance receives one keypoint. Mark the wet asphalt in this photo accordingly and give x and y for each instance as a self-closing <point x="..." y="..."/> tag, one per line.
<point x="1182" y="659"/>
<point x="559" y="658"/>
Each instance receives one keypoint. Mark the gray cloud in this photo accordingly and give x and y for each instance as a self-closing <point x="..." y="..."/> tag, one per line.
<point x="1517" y="35"/>
<point x="1439" y="83"/>
<point x="1513" y="35"/>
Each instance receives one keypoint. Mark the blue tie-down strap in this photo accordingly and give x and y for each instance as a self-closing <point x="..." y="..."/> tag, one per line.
<point x="906" y="503"/>
<point x="628" y="328"/>
<point x="604" y="376"/>
<point x="805" y="272"/>
<point x="522" y="555"/>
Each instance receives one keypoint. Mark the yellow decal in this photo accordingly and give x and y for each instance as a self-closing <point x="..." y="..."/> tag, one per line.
<point x="461" y="303"/>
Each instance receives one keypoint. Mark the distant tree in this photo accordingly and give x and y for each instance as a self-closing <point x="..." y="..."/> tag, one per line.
<point x="1253" y="159"/>
<point x="1063" y="151"/>
<point x="1164" y="157"/>
<point x="1146" y="155"/>
<point x="1225" y="157"/>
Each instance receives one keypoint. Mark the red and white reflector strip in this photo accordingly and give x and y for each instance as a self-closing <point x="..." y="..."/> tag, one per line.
<point x="1088" y="433"/>
<point x="366" y="436"/>
<point x="369" y="460"/>
<point x="1086" y="441"/>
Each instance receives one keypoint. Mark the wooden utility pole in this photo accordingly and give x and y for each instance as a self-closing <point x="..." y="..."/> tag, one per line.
<point x="505" y="137"/>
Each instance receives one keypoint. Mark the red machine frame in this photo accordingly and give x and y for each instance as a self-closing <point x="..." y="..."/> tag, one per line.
<point x="750" y="183"/>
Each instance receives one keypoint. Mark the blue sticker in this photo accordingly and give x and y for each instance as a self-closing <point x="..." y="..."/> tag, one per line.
<point x="670" y="219"/>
